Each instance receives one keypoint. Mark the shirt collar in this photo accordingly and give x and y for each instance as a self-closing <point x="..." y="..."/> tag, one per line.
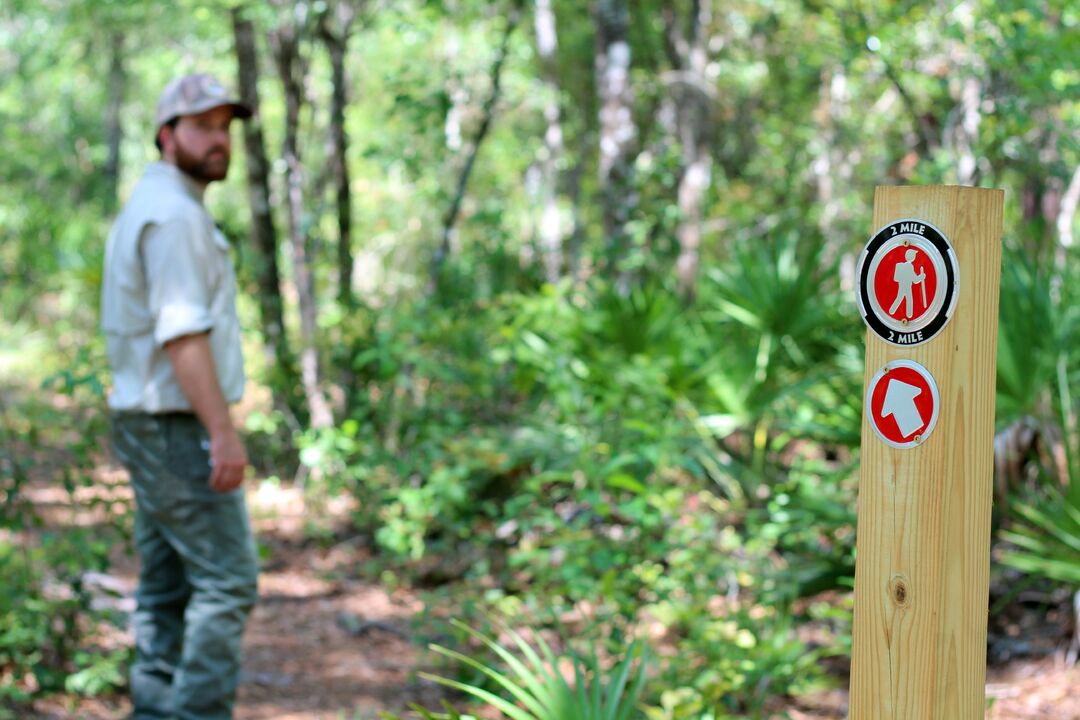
<point x="169" y="171"/>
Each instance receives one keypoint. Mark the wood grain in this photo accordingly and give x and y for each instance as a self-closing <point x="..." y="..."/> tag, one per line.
<point x="923" y="548"/>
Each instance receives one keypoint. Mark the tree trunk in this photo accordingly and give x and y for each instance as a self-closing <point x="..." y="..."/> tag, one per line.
<point x="617" y="130"/>
<point x="337" y="46"/>
<point x="286" y="45"/>
<point x="578" y="223"/>
<point x="263" y="231"/>
<point x="1067" y="211"/>
<point x="693" y="110"/>
<point x="834" y="166"/>
<point x="487" y="115"/>
<point x="551" y="226"/>
<point x="963" y="137"/>
<point x="113" y="127"/>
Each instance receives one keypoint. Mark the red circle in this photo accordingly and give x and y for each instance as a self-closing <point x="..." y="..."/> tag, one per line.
<point x="887" y="287"/>
<point x="898" y="420"/>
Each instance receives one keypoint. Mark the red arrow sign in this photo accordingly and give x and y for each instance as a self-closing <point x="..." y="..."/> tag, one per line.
<point x="903" y="403"/>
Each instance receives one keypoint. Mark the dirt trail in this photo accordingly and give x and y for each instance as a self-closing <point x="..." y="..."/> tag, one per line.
<point x="321" y="643"/>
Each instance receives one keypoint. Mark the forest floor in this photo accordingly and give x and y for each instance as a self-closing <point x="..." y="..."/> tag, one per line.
<point x="329" y="641"/>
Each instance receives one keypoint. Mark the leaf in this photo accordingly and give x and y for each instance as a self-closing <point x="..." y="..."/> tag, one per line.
<point x="622" y="481"/>
<point x="495" y="701"/>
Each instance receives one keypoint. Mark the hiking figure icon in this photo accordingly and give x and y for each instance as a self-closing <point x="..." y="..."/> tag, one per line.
<point x="905" y="276"/>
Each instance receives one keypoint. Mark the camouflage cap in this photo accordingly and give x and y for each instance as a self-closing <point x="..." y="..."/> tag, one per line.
<point x="193" y="94"/>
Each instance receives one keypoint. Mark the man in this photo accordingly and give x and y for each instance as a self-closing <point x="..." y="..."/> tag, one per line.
<point x="169" y="315"/>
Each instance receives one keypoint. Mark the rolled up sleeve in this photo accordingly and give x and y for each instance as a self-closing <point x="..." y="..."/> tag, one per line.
<point x="178" y="289"/>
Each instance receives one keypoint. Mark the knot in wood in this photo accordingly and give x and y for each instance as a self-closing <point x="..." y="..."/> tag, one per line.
<point x="899" y="591"/>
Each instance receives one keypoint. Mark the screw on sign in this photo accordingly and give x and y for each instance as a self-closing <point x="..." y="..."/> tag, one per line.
<point x="903" y="402"/>
<point x="907" y="282"/>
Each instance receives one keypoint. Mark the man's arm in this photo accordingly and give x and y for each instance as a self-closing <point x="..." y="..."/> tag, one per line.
<point x="193" y="365"/>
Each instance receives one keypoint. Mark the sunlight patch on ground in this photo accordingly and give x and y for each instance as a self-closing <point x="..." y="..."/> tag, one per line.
<point x="109" y="497"/>
<point x="287" y="511"/>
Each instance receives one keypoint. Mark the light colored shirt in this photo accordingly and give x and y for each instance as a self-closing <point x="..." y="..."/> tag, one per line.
<point x="168" y="273"/>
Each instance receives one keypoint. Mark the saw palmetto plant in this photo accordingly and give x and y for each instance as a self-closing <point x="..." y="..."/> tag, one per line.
<point x="532" y="686"/>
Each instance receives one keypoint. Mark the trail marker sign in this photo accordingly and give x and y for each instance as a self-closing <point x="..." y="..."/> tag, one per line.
<point x="928" y="292"/>
<point x="903" y="402"/>
<point x="908" y="279"/>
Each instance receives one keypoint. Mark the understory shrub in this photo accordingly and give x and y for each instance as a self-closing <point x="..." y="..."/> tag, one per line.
<point x="51" y="622"/>
<point x="661" y="463"/>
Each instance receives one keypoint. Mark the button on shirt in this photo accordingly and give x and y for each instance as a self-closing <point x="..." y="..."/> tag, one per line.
<point x="168" y="273"/>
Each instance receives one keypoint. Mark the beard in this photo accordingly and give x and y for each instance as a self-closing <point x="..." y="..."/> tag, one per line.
<point x="213" y="165"/>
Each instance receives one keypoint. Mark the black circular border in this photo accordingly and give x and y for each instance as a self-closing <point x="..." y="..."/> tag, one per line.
<point x="937" y="239"/>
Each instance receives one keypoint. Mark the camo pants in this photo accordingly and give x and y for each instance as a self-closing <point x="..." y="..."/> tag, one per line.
<point x="197" y="582"/>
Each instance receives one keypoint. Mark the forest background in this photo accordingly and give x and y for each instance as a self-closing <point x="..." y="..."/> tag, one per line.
<point x="559" y="295"/>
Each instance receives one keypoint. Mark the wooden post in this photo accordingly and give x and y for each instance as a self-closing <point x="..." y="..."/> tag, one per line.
<point x="923" y="549"/>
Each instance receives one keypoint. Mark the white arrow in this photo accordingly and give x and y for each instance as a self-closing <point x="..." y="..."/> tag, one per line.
<point x="900" y="403"/>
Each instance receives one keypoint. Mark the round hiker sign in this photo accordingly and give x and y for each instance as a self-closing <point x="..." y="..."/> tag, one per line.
<point x="903" y="402"/>
<point x="907" y="282"/>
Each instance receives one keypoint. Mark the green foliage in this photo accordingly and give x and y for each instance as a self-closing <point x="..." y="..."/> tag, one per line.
<point x="573" y="435"/>
<point x="1039" y="322"/>
<point x="1037" y="328"/>
<point x="534" y="686"/>
<point x="1047" y="540"/>
<point x="50" y="620"/>
<point x="811" y="518"/>
<point x="787" y="362"/>
<point x="741" y="671"/>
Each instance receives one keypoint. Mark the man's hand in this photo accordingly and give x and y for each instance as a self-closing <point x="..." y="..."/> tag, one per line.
<point x="228" y="460"/>
<point x="193" y="364"/>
